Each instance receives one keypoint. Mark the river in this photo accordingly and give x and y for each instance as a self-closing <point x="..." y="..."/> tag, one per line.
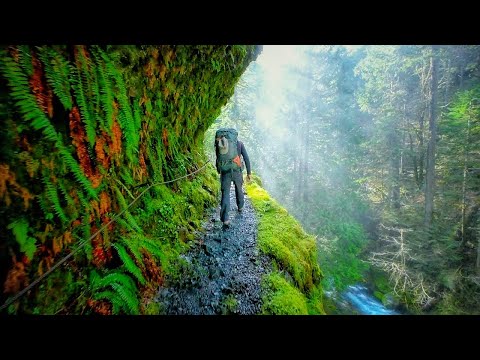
<point x="358" y="300"/>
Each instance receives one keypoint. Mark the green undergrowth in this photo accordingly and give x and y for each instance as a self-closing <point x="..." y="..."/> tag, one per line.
<point x="294" y="285"/>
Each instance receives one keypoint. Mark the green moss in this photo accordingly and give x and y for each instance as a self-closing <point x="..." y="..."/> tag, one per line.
<point x="315" y="301"/>
<point x="282" y="298"/>
<point x="281" y="236"/>
<point x="152" y="308"/>
<point x="229" y="305"/>
<point x="293" y="252"/>
<point x="381" y="285"/>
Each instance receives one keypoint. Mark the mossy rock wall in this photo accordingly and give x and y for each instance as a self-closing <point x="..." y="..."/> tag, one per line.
<point x="83" y="129"/>
<point x="293" y="287"/>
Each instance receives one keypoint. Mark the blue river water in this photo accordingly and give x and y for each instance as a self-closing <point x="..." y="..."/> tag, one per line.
<point x="364" y="303"/>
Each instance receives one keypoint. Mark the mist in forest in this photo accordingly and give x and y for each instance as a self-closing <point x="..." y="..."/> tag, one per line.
<point x="374" y="149"/>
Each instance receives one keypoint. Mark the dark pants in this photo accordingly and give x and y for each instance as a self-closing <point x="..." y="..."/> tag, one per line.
<point x="226" y="180"/>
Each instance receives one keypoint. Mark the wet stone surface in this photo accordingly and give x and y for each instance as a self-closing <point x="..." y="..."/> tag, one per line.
<point x="224" y="269"/>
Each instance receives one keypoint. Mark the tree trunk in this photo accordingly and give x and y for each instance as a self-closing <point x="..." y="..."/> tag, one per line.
<point x="414" y="159"/>
<point x="298" y="182"/>
<point x="430" y="181"/>
<point x="421" y="161"/>
<point x="477" y="265"/>
<point x="464" y="181"/>
<point x="305" y="164"/>
<point x="394" y="170"/>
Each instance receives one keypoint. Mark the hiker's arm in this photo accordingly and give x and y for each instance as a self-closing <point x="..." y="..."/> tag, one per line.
<point x="246" y="159"/>
<point x="217" y="163"/>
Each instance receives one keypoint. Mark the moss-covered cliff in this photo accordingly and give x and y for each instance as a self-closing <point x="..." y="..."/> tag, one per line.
<point x="293" y="288"/>
<point x="83" y="128"/>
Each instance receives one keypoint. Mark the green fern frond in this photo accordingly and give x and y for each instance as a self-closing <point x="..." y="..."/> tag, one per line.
<point x="130" y="137"/>
<point x="95" y="83"/>
<point x="57" y="74"/>
<point x="122" y="284"/>
<point x="114" y="277"/>
<point x="113" y="298"/>
<point x="25" y="59"/>
<point x="63" y="191"/>
<point x="154" y="247"/>
<point x="52" y="195"/>
<point x="137" y="114"/>
<point x="125" y="116"/>
<point x="133" y="245"/>
<point x="126" y="176"/>
<point x="45" y="208"/>
<point x="81" y="97"/>
<point x="94" y="278"/>
<point x="156" y="252"/>
<point x="69" y="200"/>
<point x="20" y="229"/>
<point x="25" y="100"/>
<point x="105" y="87"/>
<point x="127" y="214"/>
<point x="88" y="84"/>
<point x="83" y="200"/>
<point x="72" y="164"/>
<point x="124" y="224"/>
<point x="129" y="297"/>
<point x="129" y="264"/>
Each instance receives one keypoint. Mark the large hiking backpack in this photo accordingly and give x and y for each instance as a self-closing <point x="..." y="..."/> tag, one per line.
<point x="226" y="148"/>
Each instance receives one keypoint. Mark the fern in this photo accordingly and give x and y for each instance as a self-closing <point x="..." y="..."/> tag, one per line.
<point x="78" y="88"/>
<point x="137" y="242"/>
<point x="77" y="172"/>
<point x="113" y="297"/>
<point x="133" y="245"/>
<point x="52" y="195"/>
<point x="83" y="200"/>
<point x="68" y="198"/>
<point x="57" y="74"/>
<point x="129" y="264"/>
<point x="20" y="229"/>
<point x="155" y="250"/>
<point x="128" y="132"/>
<point x="156" y="161"/>
<point x="105" y="87"/>
<point x="123" y="287"/>
<point x="129" y="298"/>
<point x="123" y="206"/>
<point x="88" y="85"/>
<point x="45" y="208"/>
<point x="152" y="246"/>
<point x="25" y="59"/>
<point x="27" y="104"/>
<point x="126" y="176"/>
<point x="86" y="229"/>
<point x="124" y="224"/>
<point x="96" y="103"/>
<point x="25" y="100"/>
<point x="125" y="117"/>
<point x="138" y="118"/>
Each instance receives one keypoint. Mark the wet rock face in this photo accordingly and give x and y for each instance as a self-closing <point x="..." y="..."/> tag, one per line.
<point x="225" y="269"/>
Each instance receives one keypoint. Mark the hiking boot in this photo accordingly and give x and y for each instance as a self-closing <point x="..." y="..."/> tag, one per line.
<point x="226" y="223"/>
<point x="240" y="209"/>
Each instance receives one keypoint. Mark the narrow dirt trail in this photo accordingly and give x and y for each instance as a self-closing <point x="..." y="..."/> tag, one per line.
<point x="225" y="269"/>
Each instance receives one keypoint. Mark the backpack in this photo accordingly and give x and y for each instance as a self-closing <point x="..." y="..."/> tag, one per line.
<point x="226" y="148"/>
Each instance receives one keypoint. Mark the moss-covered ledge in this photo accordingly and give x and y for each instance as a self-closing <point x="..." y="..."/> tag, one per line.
<point x="293" y="288"/>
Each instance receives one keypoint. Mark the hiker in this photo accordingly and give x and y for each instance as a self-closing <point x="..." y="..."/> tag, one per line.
<point x="230" y="167"/>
